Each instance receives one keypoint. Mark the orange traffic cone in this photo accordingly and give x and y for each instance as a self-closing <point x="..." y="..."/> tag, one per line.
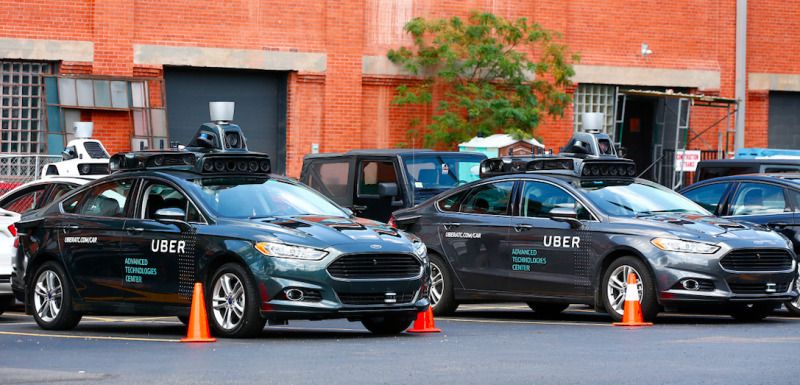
<point x="424" y="323"/>
<point x="198" y="320"/>
<point x="632" y="314"/>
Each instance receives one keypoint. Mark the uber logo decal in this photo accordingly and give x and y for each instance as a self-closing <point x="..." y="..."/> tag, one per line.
<point x="165" y="246"/>
<point x="561" y="241"/>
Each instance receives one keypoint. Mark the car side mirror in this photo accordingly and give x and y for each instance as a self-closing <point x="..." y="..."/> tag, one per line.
<point x="173" y="216"/>
<point x="387" y="189"/>
<point x="567" y="215"/>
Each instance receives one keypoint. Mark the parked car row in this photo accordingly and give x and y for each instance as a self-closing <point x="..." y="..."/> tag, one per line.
<point x="546" y="230"/>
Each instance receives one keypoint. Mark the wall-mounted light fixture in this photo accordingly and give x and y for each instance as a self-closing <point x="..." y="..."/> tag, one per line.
<point x="645" y="51"/>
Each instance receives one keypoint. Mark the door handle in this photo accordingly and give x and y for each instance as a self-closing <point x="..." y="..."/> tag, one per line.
<point x="449" y="225"/>
<point x="68" y="228"/>
<point x="521" y="227"/>
<point x="359" y="208"/>
<point x="135" y="229"/>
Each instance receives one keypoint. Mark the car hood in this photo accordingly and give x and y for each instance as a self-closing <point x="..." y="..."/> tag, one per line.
<point x="714" y="229"/>
<point x="322" y="231"/>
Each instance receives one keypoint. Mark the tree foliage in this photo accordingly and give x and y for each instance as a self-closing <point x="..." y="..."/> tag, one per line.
<point x="490" y="83"/>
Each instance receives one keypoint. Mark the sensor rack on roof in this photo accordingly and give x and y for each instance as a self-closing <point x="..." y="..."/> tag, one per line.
<point x="585" y="168"/>
<point x="200" y="163"/>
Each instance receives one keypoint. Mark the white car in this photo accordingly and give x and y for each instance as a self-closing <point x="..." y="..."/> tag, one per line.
<point x="34" y="195"/>
<point x="8" y="248"/>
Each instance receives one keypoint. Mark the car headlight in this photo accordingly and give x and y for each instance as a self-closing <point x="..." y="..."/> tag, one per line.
<point x="281" y="250"/>
<point x="682" y="246"/>
<point x="420" y="250"/>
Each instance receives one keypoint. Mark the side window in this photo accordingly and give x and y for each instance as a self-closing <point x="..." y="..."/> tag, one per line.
<point x="708" y="196"/>
<point x="373" y="172"/>
<point x="332" y="175"/>
<point x="539" y="198"/>
<point x="794" y="196"/>
<point x="759" y="199"/>
<point x="450" y="203"/>
<point x="107" y="200"/>
<point x="25" y="201"/>
<point x="59" y="190"/>
<point x="72" y="204"/>
<point x="489" y="198"/>
<point x="158" y="196"/>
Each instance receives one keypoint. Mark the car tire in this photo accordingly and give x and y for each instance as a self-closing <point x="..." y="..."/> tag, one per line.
<point x="6" y="303"/>
<point x="614" y="283"/>
<point x="442" y="298"/>
<point x="184" y="319"/>
<point x="386" y="325"/>
<point x="547" y="309"/>
<point x="752" y="312"/>
<point x="50" y="298"/>
<point x="232" y="303"/>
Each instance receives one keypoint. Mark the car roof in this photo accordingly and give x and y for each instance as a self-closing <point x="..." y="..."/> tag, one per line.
<point x="750" y="161"/>
<point x="785" y="178"/>
<point x="389" y="152"/>
<point x="48" y="180"/>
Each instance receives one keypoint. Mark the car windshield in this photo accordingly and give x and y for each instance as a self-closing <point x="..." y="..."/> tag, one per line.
<point x="636" y="199"/>
<point x="431" y="174"/>
<point x="244" y="197"/>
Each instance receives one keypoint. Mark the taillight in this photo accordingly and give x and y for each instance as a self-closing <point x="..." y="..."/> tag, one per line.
<point x="13" y="230"/>
<point x="391" y="222"/>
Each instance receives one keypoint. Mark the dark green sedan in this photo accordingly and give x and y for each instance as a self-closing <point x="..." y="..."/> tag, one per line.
<point x="266" y="248"/>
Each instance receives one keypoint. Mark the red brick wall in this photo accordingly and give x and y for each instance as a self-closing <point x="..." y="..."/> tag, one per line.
<point x="341" y="109"/>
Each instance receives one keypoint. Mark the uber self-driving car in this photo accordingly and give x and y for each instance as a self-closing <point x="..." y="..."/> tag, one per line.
<point x="264" y="247"/>
<point x="557" y="230"/>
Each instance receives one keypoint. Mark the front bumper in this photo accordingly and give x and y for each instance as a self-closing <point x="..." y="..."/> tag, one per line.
<point x="720" y="286"/>
<point x="306" y="290"/>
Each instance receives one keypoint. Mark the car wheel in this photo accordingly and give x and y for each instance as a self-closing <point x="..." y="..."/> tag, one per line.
<point x="51" y="298"/>
<point x="441" y="292"/>
<point x="233" y="303"/>
<point x="387" y="325"/>
<point x="6" y="303"/>
<point x="794" y="306"/>
<point x="547" y="309"/>
<point x="615" y="282"/>
<point x="752" y="312"/>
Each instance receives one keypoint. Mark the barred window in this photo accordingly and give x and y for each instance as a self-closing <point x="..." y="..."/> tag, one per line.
<point x="595" y="98"/>
<point x="22" y="113"/>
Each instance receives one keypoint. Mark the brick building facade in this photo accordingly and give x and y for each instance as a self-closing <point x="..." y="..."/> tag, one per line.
<point x="339" y="84"/>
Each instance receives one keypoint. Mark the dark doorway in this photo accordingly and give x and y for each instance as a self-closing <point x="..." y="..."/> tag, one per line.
<point x="260" y="111"/>
<point x="784" y="120"/>
<point x="637" y="131"/>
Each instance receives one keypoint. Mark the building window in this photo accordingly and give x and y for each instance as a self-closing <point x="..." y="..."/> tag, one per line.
<point x="22" y="130"/>
<point x="595" y="98"/>
<point x="139" y="98"/>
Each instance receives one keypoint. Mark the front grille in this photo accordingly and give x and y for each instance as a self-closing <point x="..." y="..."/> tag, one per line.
<point x="374" y="298"/>
<point x="757" y="260"/>
<point x="375" y="266"/>
<point x="758" y="288"/>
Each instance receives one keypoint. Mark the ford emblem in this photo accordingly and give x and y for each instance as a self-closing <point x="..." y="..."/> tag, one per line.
<point x="376" y="247"/>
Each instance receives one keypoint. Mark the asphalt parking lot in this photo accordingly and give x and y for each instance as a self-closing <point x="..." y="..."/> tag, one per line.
<point x="498" y="343"/>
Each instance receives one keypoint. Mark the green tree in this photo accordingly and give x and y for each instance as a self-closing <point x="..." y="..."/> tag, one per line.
<point x="491" y="85"/>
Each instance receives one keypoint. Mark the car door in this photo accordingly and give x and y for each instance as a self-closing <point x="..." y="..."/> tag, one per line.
<point x="474" y="236"/>
<point x="545" y="256"/>
<point x="158" y="258"/>
<point x="89" y="238"/>
<point x="368" y="203"/>
<point x="766" y="204"/>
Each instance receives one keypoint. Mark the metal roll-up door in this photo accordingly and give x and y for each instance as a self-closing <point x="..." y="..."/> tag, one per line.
<point x="260" y="98"/>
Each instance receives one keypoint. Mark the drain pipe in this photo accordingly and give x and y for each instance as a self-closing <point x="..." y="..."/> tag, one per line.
<point x="741" y="71"/>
